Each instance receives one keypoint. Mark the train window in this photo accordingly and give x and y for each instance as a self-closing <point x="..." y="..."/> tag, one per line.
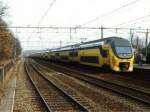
<point x="57" y="54"/>
<point x="64" y="57"/>
<point x="104" y="53"/>
<point x="122" y="42"/>
<point x="90" y="59"/>
<point x="121" y="50"/>
<point x="73" y="54"/>
<point x="108" y="41"/>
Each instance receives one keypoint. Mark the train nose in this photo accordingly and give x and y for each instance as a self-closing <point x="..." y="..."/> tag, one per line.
<point x="124" y="66"/>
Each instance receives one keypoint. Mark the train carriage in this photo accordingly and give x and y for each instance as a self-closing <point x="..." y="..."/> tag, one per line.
<point x="113" y="52"/>
<point x="89" y="54"/>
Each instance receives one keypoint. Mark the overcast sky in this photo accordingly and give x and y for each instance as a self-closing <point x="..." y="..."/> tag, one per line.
<point x="74" y="13"/>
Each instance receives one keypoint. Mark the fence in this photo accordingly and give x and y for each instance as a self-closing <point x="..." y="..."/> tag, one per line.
<point x="4" y="69"/>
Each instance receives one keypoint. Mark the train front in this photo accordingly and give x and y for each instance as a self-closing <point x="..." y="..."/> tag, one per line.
<point x="122" y="56"/>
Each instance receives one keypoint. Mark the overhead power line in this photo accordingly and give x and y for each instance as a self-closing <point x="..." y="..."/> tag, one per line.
<point x="57" y="28"/>
<point x="44" y="15"/>
<point x="143" y="21"/>
<point x="128" y="22"/>
<point x="110" y="12"/>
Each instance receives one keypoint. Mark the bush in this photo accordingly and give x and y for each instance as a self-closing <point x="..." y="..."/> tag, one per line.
<point x="9" y="45"/>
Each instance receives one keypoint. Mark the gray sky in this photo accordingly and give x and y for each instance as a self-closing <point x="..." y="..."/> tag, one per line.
<point x="73" y="13"/>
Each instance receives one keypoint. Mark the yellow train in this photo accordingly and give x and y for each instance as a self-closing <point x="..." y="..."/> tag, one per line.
<point x="113" y="52"/>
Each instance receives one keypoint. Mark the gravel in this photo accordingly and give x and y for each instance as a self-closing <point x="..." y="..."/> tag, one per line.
<point x="26" y="99"/>
<point x="105" y="100"/>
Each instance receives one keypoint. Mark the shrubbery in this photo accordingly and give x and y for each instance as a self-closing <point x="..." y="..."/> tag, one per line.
<point x="9" y="45"/>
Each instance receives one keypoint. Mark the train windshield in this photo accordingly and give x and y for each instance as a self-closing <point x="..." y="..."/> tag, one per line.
<point x="123" y="48"/>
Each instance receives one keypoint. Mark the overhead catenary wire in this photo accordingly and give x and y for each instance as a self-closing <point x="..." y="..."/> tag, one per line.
<point x="44" y="15"/>
<point x="108" y="13"/>
<point x="46" y="12"/>
<point x="143" y="21"/>
<point x="130" y="21"/>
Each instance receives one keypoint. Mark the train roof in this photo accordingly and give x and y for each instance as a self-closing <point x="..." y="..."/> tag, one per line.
<point x="86" y="44"/>
<point x="108" y="38"/>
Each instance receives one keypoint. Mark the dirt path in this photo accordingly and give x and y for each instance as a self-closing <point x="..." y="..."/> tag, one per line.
<point x="26" y="99"/>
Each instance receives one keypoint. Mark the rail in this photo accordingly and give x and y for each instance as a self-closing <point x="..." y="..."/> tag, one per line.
<point x="71" y="99"/>
<point x="123" y="90"/>
<point x="37" y="90"/>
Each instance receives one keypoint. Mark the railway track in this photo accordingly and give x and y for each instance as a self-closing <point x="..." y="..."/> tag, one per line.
<point x="54" y="98"/>
<point x="132" y="79"/>
<point x="26" y="98"/>
<point x="136" y="74"/>
<point x="132" y="92"/>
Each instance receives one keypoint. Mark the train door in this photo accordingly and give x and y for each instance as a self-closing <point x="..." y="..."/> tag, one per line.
<point x="105" y="54"/>
<point x="73" y="55"/>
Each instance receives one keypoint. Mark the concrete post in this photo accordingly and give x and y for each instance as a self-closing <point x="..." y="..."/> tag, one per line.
<point x="146" y="42"/>
<point x="131" y="37"/>
<point x="70" y="34"/>
<point x="3" y="75"/>
<point x="102" y="33"/>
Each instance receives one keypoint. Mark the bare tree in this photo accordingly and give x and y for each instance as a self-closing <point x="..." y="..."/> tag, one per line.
<point x="3" y="9"/>
<point x="8" y="43"/>
<point x="18" y="47"/>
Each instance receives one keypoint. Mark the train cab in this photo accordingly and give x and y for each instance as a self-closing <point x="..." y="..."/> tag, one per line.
<point x="122" y="55"/>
